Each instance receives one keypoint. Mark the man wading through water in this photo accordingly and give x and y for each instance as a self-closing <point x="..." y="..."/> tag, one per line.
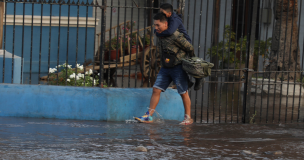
<point x="173" y="49"/>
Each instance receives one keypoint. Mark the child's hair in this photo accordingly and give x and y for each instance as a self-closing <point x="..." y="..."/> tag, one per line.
<point x="167" y="7"/>
<point x="160" y="16"/>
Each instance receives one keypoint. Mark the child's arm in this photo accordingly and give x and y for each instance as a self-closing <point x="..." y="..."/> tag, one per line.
<point x="173" y="25"/>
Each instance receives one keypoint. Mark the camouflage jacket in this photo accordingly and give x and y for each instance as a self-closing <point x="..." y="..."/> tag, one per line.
<point x="178" y="44"/>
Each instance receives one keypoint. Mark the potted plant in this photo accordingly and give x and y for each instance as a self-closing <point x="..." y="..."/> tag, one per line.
<point x="231" y="51"/>
<point x="111" y="48"/>
<point x="146" y="42"/>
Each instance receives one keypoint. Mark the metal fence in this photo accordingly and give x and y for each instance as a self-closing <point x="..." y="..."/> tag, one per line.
<point x="254" y="44"/>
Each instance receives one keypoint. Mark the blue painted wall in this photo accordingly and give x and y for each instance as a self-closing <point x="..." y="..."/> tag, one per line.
<point x="63" y="46"/>
<point x="113" y="104"/>
<point x="53" y="47"/>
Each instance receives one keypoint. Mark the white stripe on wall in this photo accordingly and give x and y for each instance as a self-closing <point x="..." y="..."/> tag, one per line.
<point x="82" y="21"/>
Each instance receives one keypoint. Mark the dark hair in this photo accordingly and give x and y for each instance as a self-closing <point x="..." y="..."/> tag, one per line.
<point x="167" y="7"/>
<point x="160" y="16"/>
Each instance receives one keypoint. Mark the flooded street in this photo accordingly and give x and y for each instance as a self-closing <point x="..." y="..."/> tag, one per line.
<point x="29" y="138"/>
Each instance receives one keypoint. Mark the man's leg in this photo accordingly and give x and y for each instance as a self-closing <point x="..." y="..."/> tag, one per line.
<point x="154" y="100"/>
<point x="187" y="103"/>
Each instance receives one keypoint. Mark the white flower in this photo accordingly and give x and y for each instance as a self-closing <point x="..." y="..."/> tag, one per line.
<point x="94" y="81"/>
<point x="69" y="66"/>
<point x="68" y="80"/>
<point x="52" y="70"/>
<point x="80" y="75"/>
<point x="90" y="72"/>
<point x="77" y="78"/>
<point x="98" y="74"/>
<point x="91" y="78"/>
<point x="73" y="75"/>
<point x="79" y="66"/>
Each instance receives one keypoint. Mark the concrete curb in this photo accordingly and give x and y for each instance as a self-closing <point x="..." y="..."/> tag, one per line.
<point x="107" y="104"/>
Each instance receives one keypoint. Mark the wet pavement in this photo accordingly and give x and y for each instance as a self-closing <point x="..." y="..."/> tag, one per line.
<point x="31" y="138"/>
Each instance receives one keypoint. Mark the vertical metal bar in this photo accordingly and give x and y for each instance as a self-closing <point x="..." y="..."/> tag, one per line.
<point x="275" y="80"/>
<point x="289" y="66"/>
<point x="50" y="35"/>
<point x="221" y="84"/>
<point x="256" y="78"/>
<point x="58" y="46"/>
<point x="68" y="40"/>
<point x="213" y="19"/>
<point x="94" y="7"/>
<point x="263" y="73"/>
<point x="194" y="12"/>
<point x="40" y="43"/>
<point x="22" y="46"/>
<point x="110" y="41"/>
<point x="118" y="35"/>
<point x="137" y="36"/>
<point x="31" y="56"/>
<point x="229" y="46"/>
<point x="124" y="45"/>
<point x="236" y="35"/>
<point x="103" y="28"/>
<point x="13" y="50"/>
<point x="150" y="52"/>
<point x="216" y="60"/>
<point x="301" y="69"/>
<point x="241" y="57"/>
<point x="86" y="42"/>
<point x="4" y="44"/>
<point x="198" y="51"/>
<point x="77" y="41"/>
<point x="273" y="108"/>
<point x="144" y="42"/>
<point x="249" y="64"/>
<point x="131" y="37"/>
<point x="249" y="48"/>
<point x="205" y="49"/>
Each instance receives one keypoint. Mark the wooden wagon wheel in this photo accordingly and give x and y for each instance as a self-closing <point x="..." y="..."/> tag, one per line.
<point x="145" y="62"/>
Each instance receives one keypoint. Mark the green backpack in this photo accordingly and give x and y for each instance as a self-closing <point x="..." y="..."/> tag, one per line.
<point x="197" y="67"/>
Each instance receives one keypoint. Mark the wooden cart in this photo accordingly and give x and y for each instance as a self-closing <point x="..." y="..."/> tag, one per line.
<point x="148" y="59"/>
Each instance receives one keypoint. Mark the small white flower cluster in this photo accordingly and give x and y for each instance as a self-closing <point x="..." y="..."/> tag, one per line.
<point x="78" y="76"/>
<point x="89" y="72"/>
<point x="64" y="65"/>
<point x="52" y="70"/>
<point x="79" y="66"/>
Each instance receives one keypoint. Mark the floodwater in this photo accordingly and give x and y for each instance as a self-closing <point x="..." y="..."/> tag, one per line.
<point x="30" y="138"/>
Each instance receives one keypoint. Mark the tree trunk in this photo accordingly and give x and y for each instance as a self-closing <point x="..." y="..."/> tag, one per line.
<point x="285" y="56"/>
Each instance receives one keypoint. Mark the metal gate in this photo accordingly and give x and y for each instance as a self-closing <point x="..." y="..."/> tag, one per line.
<point x="254" y="44"/>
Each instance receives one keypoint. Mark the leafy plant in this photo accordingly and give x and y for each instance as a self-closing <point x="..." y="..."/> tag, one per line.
<point x="68" y="76"/>
<point x="112" y="44"/>
<point x="233" y="51"/>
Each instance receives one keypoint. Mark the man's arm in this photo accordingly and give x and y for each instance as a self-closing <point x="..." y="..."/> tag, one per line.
<point x="184" y="44"/>
<point x="173" y="26"/>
